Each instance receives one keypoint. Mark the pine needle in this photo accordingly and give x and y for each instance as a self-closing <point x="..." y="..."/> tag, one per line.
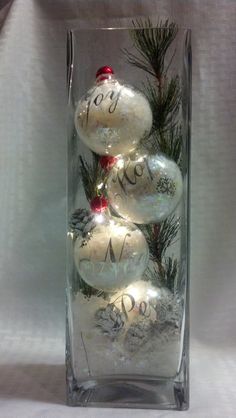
<point x="152" y="45"/>
<point x="163" y="274"/>
<point x="164" y="103"/>
<point x="160" y="236"/>
<point x="91" y="175"/>
<point x="169" y="143"/>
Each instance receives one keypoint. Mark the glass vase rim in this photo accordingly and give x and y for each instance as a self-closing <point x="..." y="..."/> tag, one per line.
<point x="121" y="28"/>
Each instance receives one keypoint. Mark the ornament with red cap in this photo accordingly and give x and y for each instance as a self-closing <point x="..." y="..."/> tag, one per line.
<point x="112" y="117"/>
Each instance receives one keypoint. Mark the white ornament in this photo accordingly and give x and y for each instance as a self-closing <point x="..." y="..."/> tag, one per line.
<point x="113" y="255"/>
<point x="145" y="189"/>
<point x="138" y="299"/>
<point x="111" y="117"/>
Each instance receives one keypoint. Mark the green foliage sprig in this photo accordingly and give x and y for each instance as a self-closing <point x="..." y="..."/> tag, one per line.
<point x="91" y="174"/>
<point x="164" y="103"/>
<point x="152" y="47"/>
<point x="163" y="274"/>
<point x="160" y="236"/>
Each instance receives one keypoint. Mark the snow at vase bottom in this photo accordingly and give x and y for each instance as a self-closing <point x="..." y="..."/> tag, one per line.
<point x="136" y="331"/>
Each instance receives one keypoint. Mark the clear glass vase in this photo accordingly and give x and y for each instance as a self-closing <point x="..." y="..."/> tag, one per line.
<point x="128" y="217"/>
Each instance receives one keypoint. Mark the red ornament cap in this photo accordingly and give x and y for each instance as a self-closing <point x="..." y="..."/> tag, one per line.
<point x="99" y="204"/>
<point x="107" y="162"/>
<point x="104" y="70"/>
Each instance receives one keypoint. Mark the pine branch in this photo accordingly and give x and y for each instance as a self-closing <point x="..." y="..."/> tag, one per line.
<point x="164" y="96"/>
<point x="171" y="270"/>
<point x="92" y="176"/>
<point x="163" y="275"/>
<point x="165" y="105"/>
<point x="160" y="236"/>
<point x="167" y="233"/>
<point x="169" y="143"/>
<point x="152" y="45"/>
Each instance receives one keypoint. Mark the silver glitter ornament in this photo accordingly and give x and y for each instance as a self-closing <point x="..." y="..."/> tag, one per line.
<point x="111" y="118"/>
<point x="115" y="255"/>
<point x="144" y="188"/>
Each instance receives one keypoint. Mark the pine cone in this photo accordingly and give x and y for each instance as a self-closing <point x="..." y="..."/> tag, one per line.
<point x="110" y="320"/>
<point x="138" y="334"/>
<point x="168" y="308"/>
<point x="82" y="221"/>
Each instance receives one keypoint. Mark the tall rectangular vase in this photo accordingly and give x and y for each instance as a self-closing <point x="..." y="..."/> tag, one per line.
<point x="129" y="114"/>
